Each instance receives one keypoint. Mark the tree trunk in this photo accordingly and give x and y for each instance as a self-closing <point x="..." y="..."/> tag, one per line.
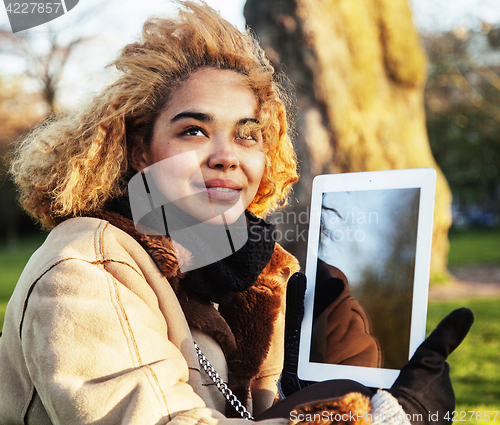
<point x="359" y="71"/>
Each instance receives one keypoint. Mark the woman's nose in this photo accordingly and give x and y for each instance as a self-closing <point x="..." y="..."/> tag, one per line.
<point x="223" y="155"/>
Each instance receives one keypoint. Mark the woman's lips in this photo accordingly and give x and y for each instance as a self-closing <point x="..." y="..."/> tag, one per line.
<point x="222" y="193"/>
<point x="221" y="189"/>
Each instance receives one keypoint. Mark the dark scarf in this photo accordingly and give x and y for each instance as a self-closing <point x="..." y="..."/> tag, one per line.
<point x="221" y="279"/>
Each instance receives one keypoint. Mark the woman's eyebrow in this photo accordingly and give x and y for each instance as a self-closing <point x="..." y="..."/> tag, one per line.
<point x="199" y="116"/>
<point x="244" y="121"/>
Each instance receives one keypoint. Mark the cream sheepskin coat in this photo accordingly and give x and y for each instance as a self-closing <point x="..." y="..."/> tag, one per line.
<point x="94" y="333"/>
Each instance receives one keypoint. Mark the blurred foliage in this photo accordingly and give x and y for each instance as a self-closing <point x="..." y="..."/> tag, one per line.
<point x="463" y="114"/>
<point x="20" y="110"/>
<point x="26" y="99"/>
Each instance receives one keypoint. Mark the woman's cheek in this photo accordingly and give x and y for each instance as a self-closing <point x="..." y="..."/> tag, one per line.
<point x="260" y="166"/>
<point x="174" y="174"/>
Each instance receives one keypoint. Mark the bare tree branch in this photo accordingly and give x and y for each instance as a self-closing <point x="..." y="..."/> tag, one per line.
<point x="45" y="64"/>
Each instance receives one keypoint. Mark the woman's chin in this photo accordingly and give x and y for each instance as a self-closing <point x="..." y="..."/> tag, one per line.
<point x="222" y="215"/>
<point x="225" y="219"/>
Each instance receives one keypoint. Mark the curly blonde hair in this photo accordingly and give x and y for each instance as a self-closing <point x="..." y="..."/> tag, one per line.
<point x="73" y="165"/>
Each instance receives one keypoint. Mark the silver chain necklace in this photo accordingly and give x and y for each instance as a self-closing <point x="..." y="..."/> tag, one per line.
<point x="221" y="385"/>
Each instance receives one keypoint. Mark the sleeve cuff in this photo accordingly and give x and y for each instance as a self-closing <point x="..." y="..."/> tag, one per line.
<point x="385" y="409"/>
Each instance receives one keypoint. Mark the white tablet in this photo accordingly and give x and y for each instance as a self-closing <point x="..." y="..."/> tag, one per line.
<point x="370" y="234"/>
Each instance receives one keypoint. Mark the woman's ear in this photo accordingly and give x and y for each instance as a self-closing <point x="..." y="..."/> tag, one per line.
<point x="138" y="158"/>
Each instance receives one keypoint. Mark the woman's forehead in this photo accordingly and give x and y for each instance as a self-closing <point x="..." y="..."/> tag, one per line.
<point x="214" y="93"/>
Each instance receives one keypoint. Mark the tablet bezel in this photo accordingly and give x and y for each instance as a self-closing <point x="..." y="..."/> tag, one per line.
<point x="425" y="180"/>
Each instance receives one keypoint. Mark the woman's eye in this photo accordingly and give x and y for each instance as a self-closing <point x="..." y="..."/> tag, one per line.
<point x="246" y="136"/>
<point x="194" y="131"/>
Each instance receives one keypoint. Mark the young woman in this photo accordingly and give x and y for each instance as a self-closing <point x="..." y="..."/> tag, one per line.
<point x="112" y="315"/>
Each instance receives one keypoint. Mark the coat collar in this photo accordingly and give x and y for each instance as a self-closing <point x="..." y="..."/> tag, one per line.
<point x="245" y="326"/>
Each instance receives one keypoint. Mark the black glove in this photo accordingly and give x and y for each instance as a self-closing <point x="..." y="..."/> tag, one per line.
<point x="295" y="291"/>
<point x="423" y="386"/>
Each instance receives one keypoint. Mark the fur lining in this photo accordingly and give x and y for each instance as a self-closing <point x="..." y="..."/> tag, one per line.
<point x="244" y="327"/>
<point x="351" y="409"/>
<point x="251" y="317"/>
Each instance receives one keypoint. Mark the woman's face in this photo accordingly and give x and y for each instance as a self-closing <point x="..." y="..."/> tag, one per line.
<point x="204" y="156"/>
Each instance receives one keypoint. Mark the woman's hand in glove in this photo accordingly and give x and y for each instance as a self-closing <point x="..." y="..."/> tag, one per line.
<point x="423" y="385"/>
<point x="295" y="291"/>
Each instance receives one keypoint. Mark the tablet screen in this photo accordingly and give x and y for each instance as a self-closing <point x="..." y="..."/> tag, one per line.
<point x="368" y="241"/>
<point x="367" y="269"/>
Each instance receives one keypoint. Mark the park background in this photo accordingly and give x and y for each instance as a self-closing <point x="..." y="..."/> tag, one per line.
<point x="379" y="84"/>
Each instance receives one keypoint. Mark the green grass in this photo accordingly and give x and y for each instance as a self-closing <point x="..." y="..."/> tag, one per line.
<point x="475" y="365"/>
<point x="474" y="247"/>
<point x="12" y="263"/>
